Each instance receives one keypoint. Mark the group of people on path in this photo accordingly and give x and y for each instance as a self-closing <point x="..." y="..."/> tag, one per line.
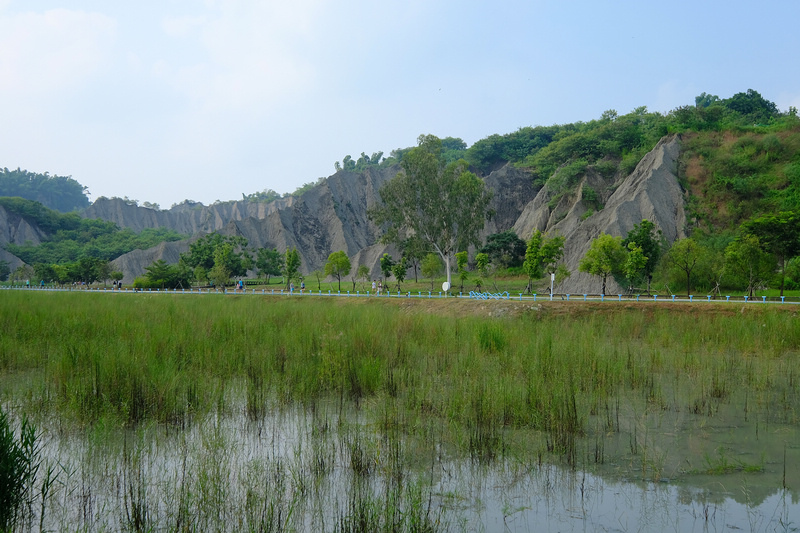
<point x="377" y="288"/>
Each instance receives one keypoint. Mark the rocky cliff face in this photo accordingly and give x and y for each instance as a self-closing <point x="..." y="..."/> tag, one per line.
<point x="16" y="230"/>
<point x="187" y="218"/>
<point x="329" y="217"/>
<point x="332" y="216"/>
<point x="650" y="192"/>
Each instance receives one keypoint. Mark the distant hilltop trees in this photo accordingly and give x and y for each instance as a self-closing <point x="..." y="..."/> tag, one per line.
<point x="61" y="193"/>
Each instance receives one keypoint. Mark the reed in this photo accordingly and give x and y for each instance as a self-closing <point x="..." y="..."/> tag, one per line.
<point x="19" y="465"/>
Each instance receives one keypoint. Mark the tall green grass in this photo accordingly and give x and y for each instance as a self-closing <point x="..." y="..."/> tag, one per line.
<point x="130" y="358"/>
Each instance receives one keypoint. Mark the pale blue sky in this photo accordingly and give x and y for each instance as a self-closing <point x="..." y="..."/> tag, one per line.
<point x="171" y="99"/>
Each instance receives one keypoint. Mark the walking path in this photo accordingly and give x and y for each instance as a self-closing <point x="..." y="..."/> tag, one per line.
<point x="430" y="295"/>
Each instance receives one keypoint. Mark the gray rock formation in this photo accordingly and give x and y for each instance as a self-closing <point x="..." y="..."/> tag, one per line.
<point x="330" y="217"/>
<point x="133" y="263"/>
<point x="15" y="229"/>
<point x="188" y="218"/>
<point x="650" y="192"/>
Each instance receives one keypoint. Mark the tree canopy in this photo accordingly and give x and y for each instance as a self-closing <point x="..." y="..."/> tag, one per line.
<point x="338" y="265"/>
<point x="61" y="193"/>
<point x="445" y="205"/>
<point x="505" y="249"/>
<point x="649" y="242"/>
<point x="542" y="255"/>
<point x="605" y="257"/>
<point x="291" y="266"/>
<point x="204" y="252"/>
<point x="779" y="234"/>
<point x="269" y="262"/>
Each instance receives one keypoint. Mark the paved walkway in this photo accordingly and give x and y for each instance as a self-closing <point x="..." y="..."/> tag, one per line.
<point x="429" y="294"/>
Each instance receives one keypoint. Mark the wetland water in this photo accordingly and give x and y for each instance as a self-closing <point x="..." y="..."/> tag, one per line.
<point x="309" y="469"/>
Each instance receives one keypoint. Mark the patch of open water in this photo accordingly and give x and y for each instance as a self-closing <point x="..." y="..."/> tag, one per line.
<point x="304" y="469"/>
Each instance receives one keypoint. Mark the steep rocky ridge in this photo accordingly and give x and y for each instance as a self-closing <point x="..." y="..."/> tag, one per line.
<point x="650" y="192"/>
<point x="15" y="229"/>
<point x="187" y="218"/>
<point x="331" y="216"/>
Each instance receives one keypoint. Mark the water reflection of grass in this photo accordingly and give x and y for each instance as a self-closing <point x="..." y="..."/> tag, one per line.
<point x="538" y="384"/>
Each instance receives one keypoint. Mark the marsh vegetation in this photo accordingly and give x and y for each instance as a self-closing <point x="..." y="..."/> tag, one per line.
<point x="188" y="413"/>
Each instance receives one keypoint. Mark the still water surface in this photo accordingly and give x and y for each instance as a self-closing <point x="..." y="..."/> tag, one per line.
<point x="662" y="471"/>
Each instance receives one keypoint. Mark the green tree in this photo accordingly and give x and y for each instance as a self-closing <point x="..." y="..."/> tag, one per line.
<point x="104" y="270"/>
<point x="338" y="265"/>
<point x="505" y="249"/>
<point x="319" y="275"/>
<point x="542" y="256"/>
<point x="291" y="266"/>
<point x="779" y="234"/>
<point x="162" y="275"/>
<point x="482" y="264"/>
<point x="158" y="273"/>
<point x="61" y="193"/>
<point x="461" y="266"/>
<point x="62" y="274"/>
<point x="21" y="273"/>
<point x="649" y="239"/>
<point x="5" y="270"/>
<point x="605" y="257"/>
<point x="202" y="253"/>
<point x="387" y="263"/>
<point x="550" y="253"/>
<point x="361" y="273"/>
<point x="685" y="256"/>
<point x="201" y="274"/>
<point x="748" y="263"/>
<point x="431" y="267"/>
<point x="444" y="204"/>
<point x="399" y="269"/>
<point x="752" y="106"/>
<point x="634" y="264"/>
<point x="705" y="100"/>
<point x="220" y="274"/>
<point x="268" y="262"/>
<point x="87" y="269"/>
<point x="533" y="261"/>
<point x="413" y="249"/>
<point x="45" y="272"/>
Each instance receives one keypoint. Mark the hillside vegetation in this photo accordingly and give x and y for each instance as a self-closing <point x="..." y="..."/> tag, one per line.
<point x="73" y="237"/>
<point x="741" y="154"/>
<point x="61" y="193"/>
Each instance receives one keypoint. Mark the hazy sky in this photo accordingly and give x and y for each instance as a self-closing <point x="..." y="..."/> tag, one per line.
<point x="162" y="100"/>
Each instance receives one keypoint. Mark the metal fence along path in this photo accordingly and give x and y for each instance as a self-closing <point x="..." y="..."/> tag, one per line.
<point x="472" y="295"/>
